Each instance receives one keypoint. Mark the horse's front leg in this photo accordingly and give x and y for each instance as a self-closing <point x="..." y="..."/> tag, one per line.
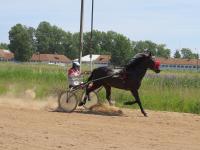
<point x="137" y="100"/>
<point x="130" y="102"/>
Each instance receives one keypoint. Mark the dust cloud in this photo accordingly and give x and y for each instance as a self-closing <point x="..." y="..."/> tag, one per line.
<point x="28" y="100"/>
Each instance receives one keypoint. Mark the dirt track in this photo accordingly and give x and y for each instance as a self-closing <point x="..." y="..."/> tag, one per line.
<point x="25" y="128"/>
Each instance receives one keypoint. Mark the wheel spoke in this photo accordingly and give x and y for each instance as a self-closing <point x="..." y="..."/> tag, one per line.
<point x="68" y="102"/>
<point x="93" y="100"/>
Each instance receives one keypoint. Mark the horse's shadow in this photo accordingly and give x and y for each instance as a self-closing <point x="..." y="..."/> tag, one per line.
<point x="91" y="112"/>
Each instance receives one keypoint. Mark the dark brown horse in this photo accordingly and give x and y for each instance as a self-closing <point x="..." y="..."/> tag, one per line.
<point x="129" y="78"/>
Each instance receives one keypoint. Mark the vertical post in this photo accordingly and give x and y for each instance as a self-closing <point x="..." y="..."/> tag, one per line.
<point x="81" y="33"/>
<point x="91" y="62"/>
<point x="197" y="59"/>
<point x="91" y="34"/>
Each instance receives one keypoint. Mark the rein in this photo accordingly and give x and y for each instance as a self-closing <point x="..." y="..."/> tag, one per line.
<point x="99" y="79"/>
<point x="88" y="82"/>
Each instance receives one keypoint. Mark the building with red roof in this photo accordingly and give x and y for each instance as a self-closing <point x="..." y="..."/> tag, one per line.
<point x="6" y="55"/>
<point x="50" y="59"/>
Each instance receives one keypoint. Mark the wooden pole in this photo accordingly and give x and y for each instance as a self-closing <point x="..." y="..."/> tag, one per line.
<point x="81" y="34"/>
<point x="91" y="34"/>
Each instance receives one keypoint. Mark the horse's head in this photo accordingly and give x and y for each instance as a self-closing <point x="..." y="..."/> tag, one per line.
<point x="144" y="61"/>
<point x="151" y="62"/>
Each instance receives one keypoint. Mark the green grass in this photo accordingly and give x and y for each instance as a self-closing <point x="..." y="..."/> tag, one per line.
<point x="16" y="78"/>
<point x="168" y="96"/>
<point x="170" y="91"/>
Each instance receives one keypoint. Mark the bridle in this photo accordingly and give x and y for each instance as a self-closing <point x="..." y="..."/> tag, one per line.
<point x="157" y="64"/>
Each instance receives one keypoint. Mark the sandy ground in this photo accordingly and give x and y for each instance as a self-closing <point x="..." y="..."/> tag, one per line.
<point x="31" y="126"/>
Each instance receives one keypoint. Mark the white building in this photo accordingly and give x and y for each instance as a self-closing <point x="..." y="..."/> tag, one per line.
<point x="179" y="64"/>
<point x="97" y="60"/>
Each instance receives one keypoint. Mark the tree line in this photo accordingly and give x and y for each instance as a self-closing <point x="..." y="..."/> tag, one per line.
<point x="186" y="53"/>
<point x="47" y="38"/>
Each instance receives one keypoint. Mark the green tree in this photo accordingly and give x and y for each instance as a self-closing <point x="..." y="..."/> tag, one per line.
<point x="118" y="46"/>
<point x="122" y="52"/>
<point x="195" y="56"/>
<point x="32" y="32"/>
<point x="72" y="50"/>
<point x="70" y="45"/>
<point x="51" y="39"/>
<point x="43" y="37"/>
<point x="115" y="44"/>
<point x="162" y="51"/>
<point x="159" y="50"/>
<point x="141" y="46"/>
<point x="60" y="41"/>
<point x="95" y="45"/>
<point x="187" y="53"/>
<point x="108" y="42"/>
<point x="3" y="46"/>
<point x="21" y="42"/>
<point x="177" y="54"/>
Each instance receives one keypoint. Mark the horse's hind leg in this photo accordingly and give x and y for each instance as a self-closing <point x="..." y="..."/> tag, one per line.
<point x="88" y="90"/>
<point x="108" y="94"/>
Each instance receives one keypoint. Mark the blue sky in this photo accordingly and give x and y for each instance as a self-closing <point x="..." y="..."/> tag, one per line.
<point x="175" y="23"/>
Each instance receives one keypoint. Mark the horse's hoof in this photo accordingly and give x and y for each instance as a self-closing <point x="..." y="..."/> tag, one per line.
<point x="81" y="104"/>
<point x="129" y="103"/>
<point x="112" y="103"/>
<point x="145" y="114"/>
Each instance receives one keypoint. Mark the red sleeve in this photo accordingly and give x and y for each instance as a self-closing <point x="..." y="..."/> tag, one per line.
<point x="70" y="72"/>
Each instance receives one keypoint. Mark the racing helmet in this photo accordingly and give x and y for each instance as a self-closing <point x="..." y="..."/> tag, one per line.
<point x="75" y="65"/>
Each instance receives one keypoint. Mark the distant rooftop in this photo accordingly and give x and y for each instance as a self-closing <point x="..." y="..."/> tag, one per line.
<point x="178" y="61"/>
<point x="50" y="58"/>
<point x="6" y="54"/>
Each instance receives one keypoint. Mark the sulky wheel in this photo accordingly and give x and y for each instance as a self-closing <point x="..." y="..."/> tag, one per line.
<point x="68" y="101"/>
<point x="93" y="100"/>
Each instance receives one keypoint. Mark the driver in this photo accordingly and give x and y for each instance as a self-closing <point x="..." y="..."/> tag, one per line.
<point x="73" y="78"/>
<point x="74" y="75"/>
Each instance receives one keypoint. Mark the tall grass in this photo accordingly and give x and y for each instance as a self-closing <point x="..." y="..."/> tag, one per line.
<point x="16" y="78"/>
<point x="168" y="91"/>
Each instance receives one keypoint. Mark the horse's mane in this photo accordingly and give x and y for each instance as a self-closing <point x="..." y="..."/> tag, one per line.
<point x="135" y="61"/>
